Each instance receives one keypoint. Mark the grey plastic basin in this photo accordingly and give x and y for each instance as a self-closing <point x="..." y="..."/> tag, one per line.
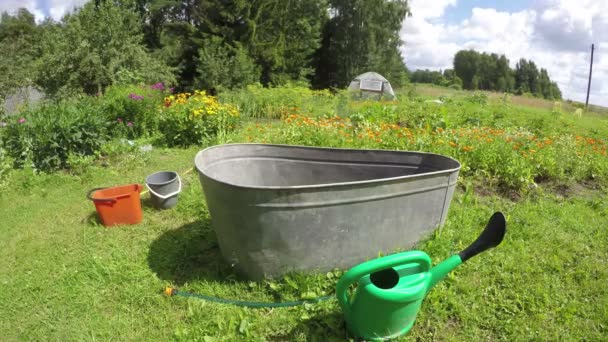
<point x="280" y="208"/>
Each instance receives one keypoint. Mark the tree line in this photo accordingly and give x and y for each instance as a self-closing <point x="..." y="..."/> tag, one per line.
<point x="205" y="44"/>
<point x="473" y="70"/>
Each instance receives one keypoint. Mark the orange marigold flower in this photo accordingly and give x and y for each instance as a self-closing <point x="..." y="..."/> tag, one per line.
<point x="453" y="144"/>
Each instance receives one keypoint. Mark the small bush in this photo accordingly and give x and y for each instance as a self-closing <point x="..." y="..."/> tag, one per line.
<point x="48" y="135"/>
<point x="135" y="108"/>
<point x="478" y="97"/>
<point x="191" y="118"/>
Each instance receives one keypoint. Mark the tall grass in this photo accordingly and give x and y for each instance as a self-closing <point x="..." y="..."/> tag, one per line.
<point x="274" y="103"/>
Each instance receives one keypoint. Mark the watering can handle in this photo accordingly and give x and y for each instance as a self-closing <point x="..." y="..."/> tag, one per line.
<point x="179" y="189"/>
<point x="369" y="267"/>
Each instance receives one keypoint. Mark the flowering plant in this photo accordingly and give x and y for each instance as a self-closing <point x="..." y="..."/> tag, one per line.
<point x="190" y="118"/>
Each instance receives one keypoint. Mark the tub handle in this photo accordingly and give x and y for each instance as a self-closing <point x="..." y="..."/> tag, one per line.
<point x="179" y="189"/>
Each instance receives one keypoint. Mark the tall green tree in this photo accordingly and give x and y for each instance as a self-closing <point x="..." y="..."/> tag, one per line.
<point x="283" y="36"/>
<point x="19" y="43"/>
<point x="223" y="66"/>
<point x="466" y="66"/>
<point x="361" y="35"/>
<point x="99" y="45"/>
<point x="492" y="72"/>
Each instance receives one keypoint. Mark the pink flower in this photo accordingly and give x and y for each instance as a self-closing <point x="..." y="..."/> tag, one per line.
<point x="171" y="90"/>
<point x="135" y="97"/>
<point x="129" y="124"/>
<point x="22" y="120"/>
<point x="158" y="86"/>
<point x="119" y="120"/>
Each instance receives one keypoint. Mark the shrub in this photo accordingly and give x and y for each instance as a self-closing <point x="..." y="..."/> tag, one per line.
<point x="191" y="118"/>
<point x="48" y="135"/>
<point x="478" y="97"/>
<point x="223" y="66"/>
<point x="135" y="108"/>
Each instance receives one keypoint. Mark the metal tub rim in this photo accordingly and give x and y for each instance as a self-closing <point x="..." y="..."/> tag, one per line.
<point x="198" y="167"/>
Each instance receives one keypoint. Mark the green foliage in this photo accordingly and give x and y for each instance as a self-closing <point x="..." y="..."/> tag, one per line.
<point x="191" y="119"/>
<point x="447" y="79"/>
<point x="361" y="36"/>
<point x="221" y="66"/>
<point x="282" y="36"/>
<point x="96" y="47"/>
<point x="478" y="97"/>
<point x="47" y="136"/>
<point x="257" y="102"/>
<point x="492" y="72"/>
<point x="19" y="40"/>
<point x="268" y="41"/>
<point x="134" y="109"/>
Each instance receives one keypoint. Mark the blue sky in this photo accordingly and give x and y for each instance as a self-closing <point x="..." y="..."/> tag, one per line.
<point x="462" y="10"/>
<point x="44" y="6"/>
<point x="555" y="34"/>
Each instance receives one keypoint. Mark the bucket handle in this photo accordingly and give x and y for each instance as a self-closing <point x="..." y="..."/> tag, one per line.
<point x="90" y="193"/>
<point x="108" y="200"/>
<point x="179" y="189"/>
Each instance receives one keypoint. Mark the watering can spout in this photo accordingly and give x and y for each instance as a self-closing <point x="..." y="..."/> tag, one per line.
<point x="491" y="237"/>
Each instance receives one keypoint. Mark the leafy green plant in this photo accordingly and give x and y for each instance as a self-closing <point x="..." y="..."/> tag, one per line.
<point x="48" y="135"/>
<point x="273" y="103"/>
<point x="134" y="109"/>
<point x="191" y="118"/>
<point x="478" y="97"/>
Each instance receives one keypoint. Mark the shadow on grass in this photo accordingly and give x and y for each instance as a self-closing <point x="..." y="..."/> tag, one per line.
<point x="188" y="253"/>
<point x="92" y="219"/>
<point x="322" y="327"/>
<point x="146" y="202"/>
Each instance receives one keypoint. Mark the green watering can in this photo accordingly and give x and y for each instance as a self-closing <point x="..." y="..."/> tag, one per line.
<point x="390" y="289"/>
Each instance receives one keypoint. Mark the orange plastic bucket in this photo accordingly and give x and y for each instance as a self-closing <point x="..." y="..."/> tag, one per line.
<point x="117" y="205"/>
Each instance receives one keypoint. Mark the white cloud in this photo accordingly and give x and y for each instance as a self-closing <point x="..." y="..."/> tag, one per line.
<point x="555" y="34"/>
<point x="12" y="6"/>
<point x="56" y="8"/>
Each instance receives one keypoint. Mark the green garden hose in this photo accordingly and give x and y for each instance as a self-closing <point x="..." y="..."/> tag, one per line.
<point x="169" y="291"/>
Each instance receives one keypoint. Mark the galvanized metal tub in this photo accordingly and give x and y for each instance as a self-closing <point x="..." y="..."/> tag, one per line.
<point x="281" y="208"/>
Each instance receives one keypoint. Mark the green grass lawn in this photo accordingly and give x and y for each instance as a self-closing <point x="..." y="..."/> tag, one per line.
<point x="65" y="277"/>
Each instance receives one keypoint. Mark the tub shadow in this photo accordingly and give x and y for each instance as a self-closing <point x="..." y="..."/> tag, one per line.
<point x="322" y="327"/>
<point x="188" y="253"/>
